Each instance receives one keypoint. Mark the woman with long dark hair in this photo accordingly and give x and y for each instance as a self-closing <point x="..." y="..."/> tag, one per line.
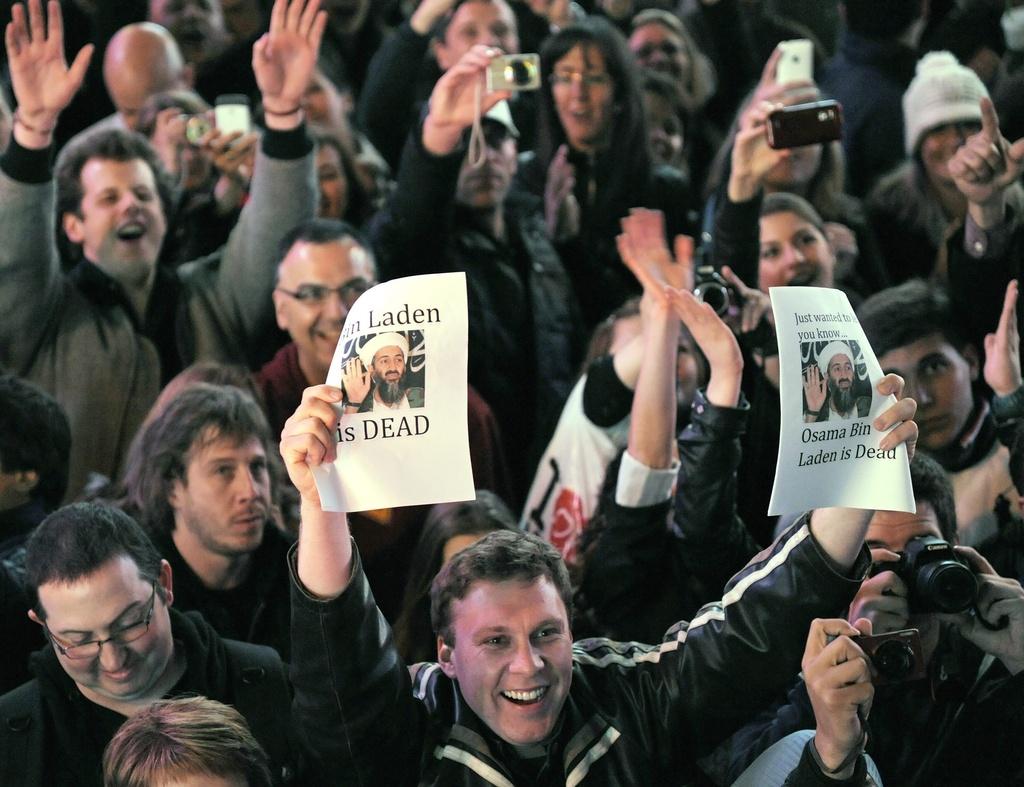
<point x="450" y="528"/>
<point x="592" y="162"/>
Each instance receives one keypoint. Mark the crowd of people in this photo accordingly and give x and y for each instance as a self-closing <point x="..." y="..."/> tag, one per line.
<point x="615" y="606"/>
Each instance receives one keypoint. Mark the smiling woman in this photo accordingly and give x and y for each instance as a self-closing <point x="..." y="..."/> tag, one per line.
<point x="593" y="160"/>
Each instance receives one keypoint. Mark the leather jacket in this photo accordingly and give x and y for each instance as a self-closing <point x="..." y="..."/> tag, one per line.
<point x="634" y="714"/>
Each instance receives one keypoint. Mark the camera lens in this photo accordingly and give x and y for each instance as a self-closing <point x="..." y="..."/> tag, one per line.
<point x="946" y="585"/>
<point x="893" y="659"/>
<point x="714" y="295"/>
<point x="196" y="128"/>
<point x="518" y="72"/>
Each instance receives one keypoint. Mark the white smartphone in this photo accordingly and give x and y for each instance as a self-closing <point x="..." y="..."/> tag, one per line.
<point x="796" y="63"/>
<point x="231" y="113"/>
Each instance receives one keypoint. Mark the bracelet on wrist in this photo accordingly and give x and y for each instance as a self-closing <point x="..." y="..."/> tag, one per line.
<point x="353" y="404"/>
<point x="20" y="120"/>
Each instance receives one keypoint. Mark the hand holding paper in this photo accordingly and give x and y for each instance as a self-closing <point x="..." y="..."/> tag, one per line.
<point x="846" y="435"/>
<point x="308" y="441"/>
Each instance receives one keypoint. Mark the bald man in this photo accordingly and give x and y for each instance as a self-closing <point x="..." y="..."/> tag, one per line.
<point x="141" y="60"/>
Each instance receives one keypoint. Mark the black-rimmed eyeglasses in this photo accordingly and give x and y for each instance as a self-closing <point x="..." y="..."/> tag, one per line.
<point x="122" y="636"/>
<point x="315" y="294"/>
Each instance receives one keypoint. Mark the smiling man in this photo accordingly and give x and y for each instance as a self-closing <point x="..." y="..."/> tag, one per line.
<point x="104" y="338"/>
<point x="199" y="483"/>
<point x="103" y="597"/>
<point x="325" y="266"/>
<point x="512" y="700"/>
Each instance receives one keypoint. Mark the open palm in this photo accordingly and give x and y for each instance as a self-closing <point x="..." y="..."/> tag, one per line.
<point x="42" y="81"/>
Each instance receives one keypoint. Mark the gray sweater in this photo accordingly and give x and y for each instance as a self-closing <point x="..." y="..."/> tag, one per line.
<point x="91" y="357"/>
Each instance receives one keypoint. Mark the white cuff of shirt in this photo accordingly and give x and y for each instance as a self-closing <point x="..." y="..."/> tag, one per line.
<point x="639" y="485"/>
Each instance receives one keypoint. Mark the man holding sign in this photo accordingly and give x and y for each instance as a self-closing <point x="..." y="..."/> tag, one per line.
<point x="512" y="700"/>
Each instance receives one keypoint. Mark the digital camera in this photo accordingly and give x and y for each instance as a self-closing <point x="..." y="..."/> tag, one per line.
<point x="514" y="72"/>
<point x="895" y="657"/>
<point x="938" y="580"/>
<point x="711" y="288"/>
<point x="196" y="127"/>
<point x="805" y="124"/>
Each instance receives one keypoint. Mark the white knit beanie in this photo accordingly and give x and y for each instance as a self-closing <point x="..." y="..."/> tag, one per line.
<point x="943" y="91"/>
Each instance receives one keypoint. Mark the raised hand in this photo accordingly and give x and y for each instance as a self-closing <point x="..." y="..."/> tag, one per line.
<point x="283" y="58"/>
<point x="428" y="13"/>
<point x="814" y="389"/>
<point x="644" y="251"/>
<point x="232" y="154"/>
<point x="42" y="81"/>
<point x="985" y="166"/>
<point x="1002" y="348"/>
<point x="307" y="439"/>
<point x="561" y="208"/>
<point x="752" y="158"/>
<point x="718" y="343"/>
<point x="838" y="679"/>
<point x="356" y="382"/>
<point x="457" y="97"/>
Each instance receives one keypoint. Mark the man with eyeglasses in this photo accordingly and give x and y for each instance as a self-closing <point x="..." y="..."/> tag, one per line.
<point x="103" y="597"/>
<point x="325" y="266"/>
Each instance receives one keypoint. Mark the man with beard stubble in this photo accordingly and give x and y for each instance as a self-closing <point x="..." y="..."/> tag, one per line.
<point x="829" y="387"/>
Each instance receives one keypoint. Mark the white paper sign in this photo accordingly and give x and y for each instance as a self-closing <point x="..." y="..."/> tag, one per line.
<point x="828" y="449"/>
<point x="407" y="441"/>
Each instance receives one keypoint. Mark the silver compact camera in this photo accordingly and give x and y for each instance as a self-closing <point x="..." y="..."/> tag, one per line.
<point x="514" y="72"/>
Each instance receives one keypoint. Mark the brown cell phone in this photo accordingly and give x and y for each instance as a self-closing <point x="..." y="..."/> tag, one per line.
<point x="895" y="657"/>
<point x="805" y="124"/>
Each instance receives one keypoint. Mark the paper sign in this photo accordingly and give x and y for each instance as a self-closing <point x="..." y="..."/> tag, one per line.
<point x="828" y="449"/>
<point x="405" y="440"/>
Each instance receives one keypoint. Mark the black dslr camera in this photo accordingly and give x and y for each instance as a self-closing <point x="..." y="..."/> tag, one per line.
<point x="711" y="288"/>
<point x="938" y="580"/>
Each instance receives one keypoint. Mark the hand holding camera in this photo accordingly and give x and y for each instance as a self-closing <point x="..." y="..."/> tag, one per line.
<point x="997" y="623"/>
<point x="457" y="98"/>
<point x="838" y="679"/>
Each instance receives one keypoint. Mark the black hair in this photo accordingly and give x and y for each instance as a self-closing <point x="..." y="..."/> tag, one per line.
<point x="902" y="315"/>
<point x="108" y="145"/>
<point x="320" y="231"/>
<point x="34" y="436"/>
<point x="880" y="19"/>
<point x="500" y="556"/>
<point x="631" y="164"/>
<point x="440" y="29"/>
<point x="76" y="540"/>
<point x="488" y="512"/>
<point x="932" y="485"/>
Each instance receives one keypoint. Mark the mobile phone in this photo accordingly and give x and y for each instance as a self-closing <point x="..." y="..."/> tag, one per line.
<point x="895" y="657"/>
<point x="231" y="113"/>
<point x="796" y="63"/>
<point x="805" y="124"/>
<point x="514" y="72"/>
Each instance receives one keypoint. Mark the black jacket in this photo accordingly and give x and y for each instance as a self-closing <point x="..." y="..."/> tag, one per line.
<point x="645" y="568"/>
<point x="51" y="734"/>
<point x="591" y="259"/>
<point x="257" y="611"/>
<point x="966" y="724"/>
<point x="524" y="333"/>
<point x="635" y="714"/>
